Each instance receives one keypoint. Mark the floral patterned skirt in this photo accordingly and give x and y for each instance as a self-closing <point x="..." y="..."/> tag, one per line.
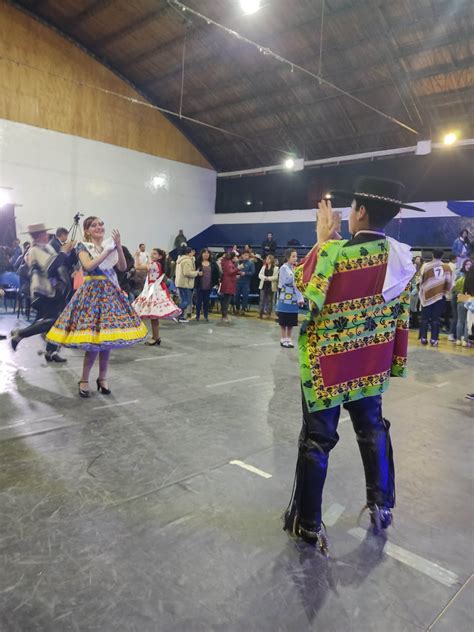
<point x="155" y="302"/>
<point x="98" y="317"/>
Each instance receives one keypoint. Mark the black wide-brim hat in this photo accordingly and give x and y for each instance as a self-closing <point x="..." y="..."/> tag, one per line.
<point x="383" y="190"/>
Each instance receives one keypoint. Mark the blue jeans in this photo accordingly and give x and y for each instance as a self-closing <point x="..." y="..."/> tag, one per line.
<point x="461" y="325"/>
<point x="242" y="296"/>
<point x="185" y="297"/>
<point x="431" y="316"/>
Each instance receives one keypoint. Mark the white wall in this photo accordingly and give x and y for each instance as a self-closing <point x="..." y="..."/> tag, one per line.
<point x="54" y="175"/>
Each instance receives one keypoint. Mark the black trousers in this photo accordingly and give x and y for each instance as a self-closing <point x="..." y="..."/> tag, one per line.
<point x="319" y="436"/>
<point x="47" y="312"/>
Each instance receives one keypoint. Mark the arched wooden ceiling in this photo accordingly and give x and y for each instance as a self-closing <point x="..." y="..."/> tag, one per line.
<point x="412" y="59"/>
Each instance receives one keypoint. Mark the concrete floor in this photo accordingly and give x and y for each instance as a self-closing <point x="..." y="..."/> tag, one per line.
<point x="123" y="513"/>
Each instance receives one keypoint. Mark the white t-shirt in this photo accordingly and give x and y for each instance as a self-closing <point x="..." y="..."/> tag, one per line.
<point x="143" y="258"/>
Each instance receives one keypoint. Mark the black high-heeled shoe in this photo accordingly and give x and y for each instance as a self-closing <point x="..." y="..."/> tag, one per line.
<point x="82" y="393"/>
<point x="155" y="343"/>
<point x="102" y="389"/>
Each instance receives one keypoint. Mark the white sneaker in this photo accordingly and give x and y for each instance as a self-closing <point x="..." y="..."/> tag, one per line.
<point x="458" y="343"/>
<point x="464" y="343"/>
<point x="289" y="344"/>
<point x="451" y="338"/>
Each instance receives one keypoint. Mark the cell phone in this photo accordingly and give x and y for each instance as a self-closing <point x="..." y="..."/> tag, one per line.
<point x="338" y="218"/>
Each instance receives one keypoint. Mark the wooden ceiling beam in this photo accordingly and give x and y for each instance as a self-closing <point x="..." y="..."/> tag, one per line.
<point x="288" y="29"/>
<point x="377" y="38"/>
<point x="134" y="26"/>
<point x="336" y="78"/>
<point x="93" y="9"/>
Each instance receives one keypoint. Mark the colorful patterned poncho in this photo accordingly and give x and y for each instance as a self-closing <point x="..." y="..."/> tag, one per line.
<point x="352" y="340"/>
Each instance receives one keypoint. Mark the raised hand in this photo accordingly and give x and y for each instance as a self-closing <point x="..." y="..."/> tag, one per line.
<point x="116" y="238"/>
<point x="326" y="222"/>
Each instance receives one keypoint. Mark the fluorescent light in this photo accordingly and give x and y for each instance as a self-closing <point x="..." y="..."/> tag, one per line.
<point x="450" y="138"/>
<point x="250" y="6"/>
<point x="289" y="163"/>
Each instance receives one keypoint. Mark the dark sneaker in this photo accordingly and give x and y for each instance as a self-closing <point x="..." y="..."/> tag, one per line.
<point x="434" y="343"/>
<point x="54" y="357"/>
<point x="182" y="320"/>
<point x="470" y="396"/>
<point x="424" y="341"/>
<point x="15" y="339"/>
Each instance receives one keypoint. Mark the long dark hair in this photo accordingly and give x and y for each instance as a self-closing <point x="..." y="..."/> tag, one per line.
<point x="161" y="258"/>
<point x="200" y="258"/>
<point x="463" y="267"/>
<point x="469" y="282"/>
<point x="466" y="239"/>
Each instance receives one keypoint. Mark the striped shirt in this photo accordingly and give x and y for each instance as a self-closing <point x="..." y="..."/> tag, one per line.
<point x="436" y="282"/>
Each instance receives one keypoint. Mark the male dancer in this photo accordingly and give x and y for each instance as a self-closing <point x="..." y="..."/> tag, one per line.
<point x="49" y="285"/>
<point x="354" y="338"/>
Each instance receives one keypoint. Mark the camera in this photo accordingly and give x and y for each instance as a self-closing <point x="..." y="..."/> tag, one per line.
<point x="77" y="217"/>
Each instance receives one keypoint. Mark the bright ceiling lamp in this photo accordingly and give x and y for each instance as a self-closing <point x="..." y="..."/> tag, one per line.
<point x="289" y="163"/>
<point x="450" y="138"/>
<point x="250" y="6"/>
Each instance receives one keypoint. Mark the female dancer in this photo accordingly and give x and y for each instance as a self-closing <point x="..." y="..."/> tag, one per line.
<point x="155" y="301"/>
<point x="99" y="317"/>
<point x="289" y="299"/>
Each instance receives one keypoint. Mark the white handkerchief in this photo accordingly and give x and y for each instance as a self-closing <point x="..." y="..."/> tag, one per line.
<point x="112" y="259"/>
<point x="400" y="269"/>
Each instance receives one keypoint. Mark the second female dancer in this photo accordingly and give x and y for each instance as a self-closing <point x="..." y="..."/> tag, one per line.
<point x="155" y="301"/>
<point x="99" y="317"/>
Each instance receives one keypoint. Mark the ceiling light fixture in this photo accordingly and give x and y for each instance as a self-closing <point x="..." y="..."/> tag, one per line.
<point x="289" y="163"/>
<point x="250" y="6"/>
<point x="450" y="138"/>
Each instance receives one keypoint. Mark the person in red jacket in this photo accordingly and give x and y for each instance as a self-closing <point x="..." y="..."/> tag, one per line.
<point x="230" y="273"/>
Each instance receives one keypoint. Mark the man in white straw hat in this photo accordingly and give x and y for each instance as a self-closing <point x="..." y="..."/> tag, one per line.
<point x="46" y="289"/>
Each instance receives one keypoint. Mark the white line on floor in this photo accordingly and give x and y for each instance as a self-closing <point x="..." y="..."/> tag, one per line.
<point x="37" y="432"/>
<point x="251" y="468"/>
<point x="332" y="515"/>
<point x="157" y="357"/>
<point x="32" y="421"/>
<point x="262" y="344"/>
<point x="440" y="574"/>
<point x="442" y="384"/>
<point x="261" y="384"/>
<point x="243" y="379"/>
<point x="132" y="401"/>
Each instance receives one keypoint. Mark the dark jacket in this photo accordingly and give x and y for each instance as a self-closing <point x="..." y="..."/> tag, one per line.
<point x="125" y="278"/>
<point x="230" y="272"/>
<point x="215" y="274"/>
<point x="269" y="247"/>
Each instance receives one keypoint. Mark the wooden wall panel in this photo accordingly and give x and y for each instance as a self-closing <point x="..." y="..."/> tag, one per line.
<point x="32" y="96"/>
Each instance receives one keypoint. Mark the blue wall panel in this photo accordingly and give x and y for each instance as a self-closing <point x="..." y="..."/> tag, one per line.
<point x="422" y="232"/>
